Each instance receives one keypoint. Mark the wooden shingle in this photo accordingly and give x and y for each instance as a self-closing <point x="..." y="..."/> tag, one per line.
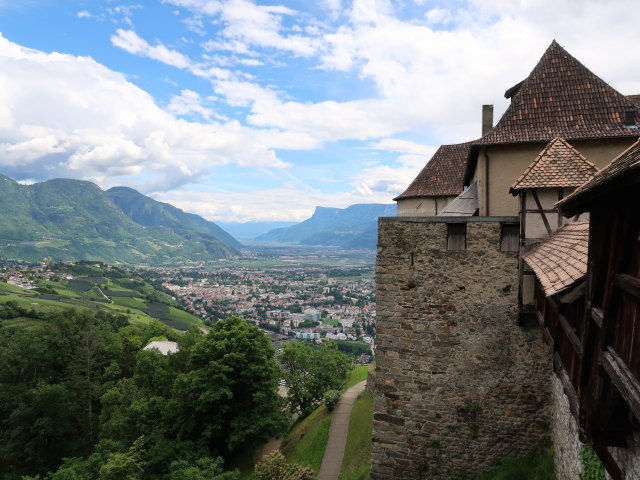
<point x="561" y="259"/>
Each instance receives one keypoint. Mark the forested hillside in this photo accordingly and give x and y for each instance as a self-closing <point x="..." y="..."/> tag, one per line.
<point x="70" y="220"/>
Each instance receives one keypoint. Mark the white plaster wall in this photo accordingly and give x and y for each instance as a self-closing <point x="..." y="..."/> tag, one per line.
<point x="422" y="206"/>
<point x="417" y="207"/>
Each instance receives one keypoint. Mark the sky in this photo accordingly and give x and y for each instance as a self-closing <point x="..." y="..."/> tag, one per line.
<point x="242" y="110"/>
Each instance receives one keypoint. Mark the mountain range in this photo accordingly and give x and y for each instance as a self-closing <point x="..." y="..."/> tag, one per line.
<point x="64" y="219"/>
<point x="353" y="227"/>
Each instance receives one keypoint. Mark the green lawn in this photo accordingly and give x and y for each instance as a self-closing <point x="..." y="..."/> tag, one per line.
<point x="357" y="454"/>
<point x="307" y="440"/>
<point x="13" y="288"/>
<point x="130" y="302"/>
<point x="358" y="374"/>
<point x="184" y="317"/>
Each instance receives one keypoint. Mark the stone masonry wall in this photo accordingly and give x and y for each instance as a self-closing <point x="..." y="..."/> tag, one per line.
<point x="564" y="432"/>
<point x="458" y="383"/>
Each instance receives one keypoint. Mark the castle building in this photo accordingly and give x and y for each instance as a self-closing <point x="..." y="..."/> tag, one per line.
<point x="486" y="236"/>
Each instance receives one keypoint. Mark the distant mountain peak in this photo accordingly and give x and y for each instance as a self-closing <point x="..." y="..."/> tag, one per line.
<point x="351" y="227"/>
<point x="67" y="219"/>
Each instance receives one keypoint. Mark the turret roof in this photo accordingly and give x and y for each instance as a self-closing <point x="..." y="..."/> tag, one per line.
<point x="558" y="165"/>
<point x="562" y="98"/>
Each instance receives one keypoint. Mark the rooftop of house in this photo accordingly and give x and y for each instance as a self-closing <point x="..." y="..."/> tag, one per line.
<point x="634" y="99"/>
<point x="165" y="347"/>
<point x="561" y="259"/>
<point x="558" y="165"/>
<point x="562" y="98"/>
<point x="622" y="173"/>
<point x="442" y="175"/>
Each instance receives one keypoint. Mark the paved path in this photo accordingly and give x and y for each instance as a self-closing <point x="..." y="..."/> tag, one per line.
<point x="334" y="453"/>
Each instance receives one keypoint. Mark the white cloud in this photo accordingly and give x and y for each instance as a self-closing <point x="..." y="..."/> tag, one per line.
<point x="437" y="16"/>
<point x="84" y="14"/>
<point x="130" y="41"/>
<point x="87" y="121"/>
<point x="248" y="25"/>
<point x="277" y="204"/>
<point x="189" y="102"/>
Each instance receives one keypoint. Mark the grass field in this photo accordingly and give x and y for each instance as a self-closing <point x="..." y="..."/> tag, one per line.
<point x="357" y="454"/>
<point x="84" y="294"/>
<point x="130" y="302"/>
<point x="358" y="374"/>
<point x="307" y="440"/>
<point x="5" y="287"/>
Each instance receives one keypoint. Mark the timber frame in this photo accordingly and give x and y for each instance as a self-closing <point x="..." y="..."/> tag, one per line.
<point x="593" y="330"/>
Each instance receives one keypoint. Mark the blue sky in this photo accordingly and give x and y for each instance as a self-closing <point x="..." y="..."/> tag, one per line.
<point x="256" y="110"/>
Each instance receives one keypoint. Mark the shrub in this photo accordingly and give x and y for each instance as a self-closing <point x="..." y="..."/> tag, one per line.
<point x="275" y="467"/>
<point x="331" y="398"/>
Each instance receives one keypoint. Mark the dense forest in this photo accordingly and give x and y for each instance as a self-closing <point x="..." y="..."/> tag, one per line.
<point x="80" y="399"/>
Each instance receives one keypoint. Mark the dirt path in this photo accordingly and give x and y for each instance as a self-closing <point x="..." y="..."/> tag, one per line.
<point x="334" y="453"/>
<point x="274" y="443"/>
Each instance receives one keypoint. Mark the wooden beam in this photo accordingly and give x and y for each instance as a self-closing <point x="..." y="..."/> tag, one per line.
<point x="567" y="386"/>
<point x="541" y="211"/>
<point x="609" y="438"/>
<point x="571" y="335"/>
<point x="608" y="462"/>
<point x="574" y="294"/>
<point x="597" y="315"/>
<point x="560" y="196"/>
<point x="629" y="284"/>
<point x="623" y="379"/>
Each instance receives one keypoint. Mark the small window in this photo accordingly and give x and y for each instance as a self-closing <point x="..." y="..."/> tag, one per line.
<point x="509" y="237"/>
<point x="456" y="237"/>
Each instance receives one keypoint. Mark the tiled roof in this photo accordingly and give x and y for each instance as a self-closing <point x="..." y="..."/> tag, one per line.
<point x="561" y="98"/>
<point x="442" y="175"/>
<point x="561" y="259"/>
<point x="464" y="205"/>
<point x="558" y="165"/>
<point x="634" y="99"/>
<point x="623" y="172"/>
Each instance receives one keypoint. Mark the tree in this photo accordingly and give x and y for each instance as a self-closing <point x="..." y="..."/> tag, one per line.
<point x="309" y="372"/>
<point x="230" y="397"/>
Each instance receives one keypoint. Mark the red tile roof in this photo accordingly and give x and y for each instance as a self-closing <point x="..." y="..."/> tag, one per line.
<point x="622" y="173"/>
<point x="558" y="165"/>
<point x="442" y="175"/>
<point x="561" y="98"/>
<point x="561" y="259"/>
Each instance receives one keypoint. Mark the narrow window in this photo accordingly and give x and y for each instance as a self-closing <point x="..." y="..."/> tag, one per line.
<point x="456" y="237"/>
<point x="509" y="237"/>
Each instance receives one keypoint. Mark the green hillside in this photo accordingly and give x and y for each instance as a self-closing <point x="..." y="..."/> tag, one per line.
<point x="112" y="291"/>
<point x="70" y="220"/>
